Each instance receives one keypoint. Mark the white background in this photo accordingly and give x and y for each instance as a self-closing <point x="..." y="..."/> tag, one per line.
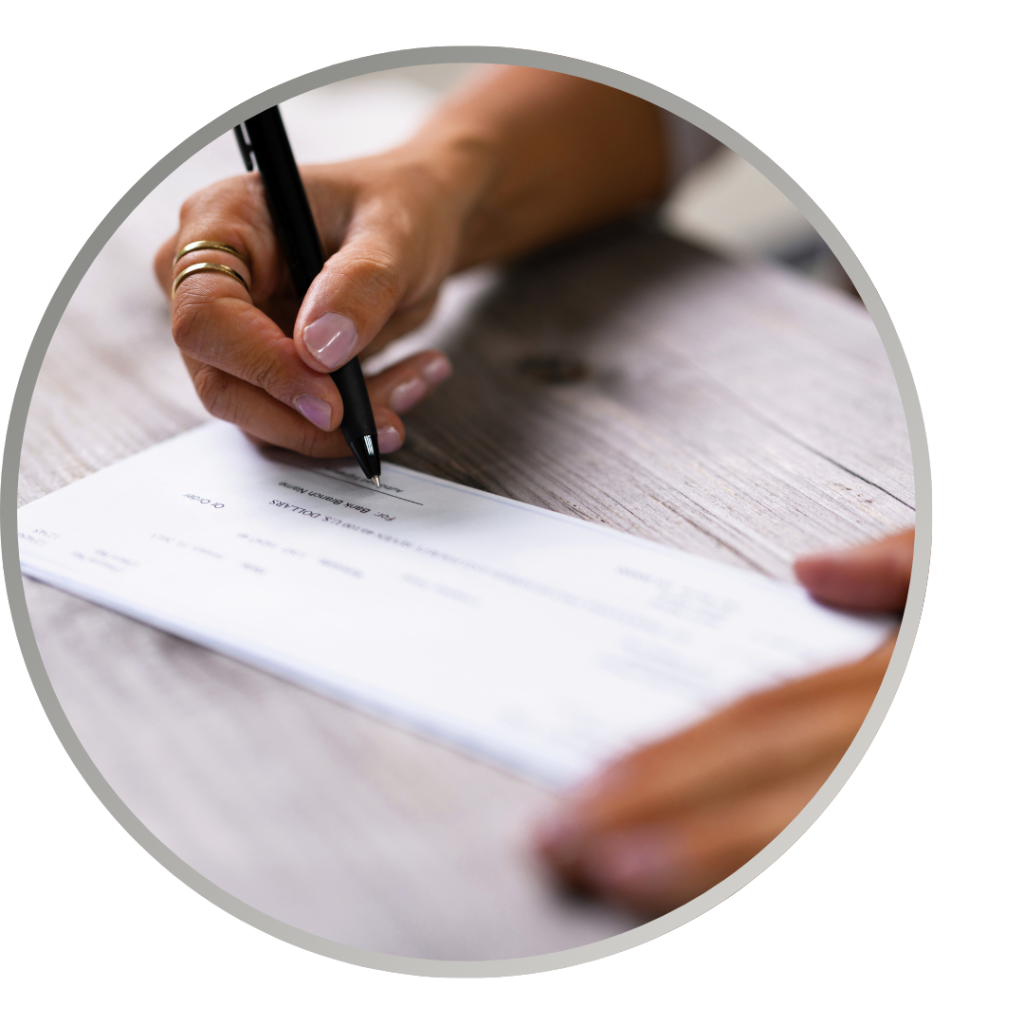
<point x="899" y="119"/>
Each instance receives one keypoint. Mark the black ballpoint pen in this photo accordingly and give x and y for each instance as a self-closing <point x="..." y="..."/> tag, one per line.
<point x="296" y="232"/>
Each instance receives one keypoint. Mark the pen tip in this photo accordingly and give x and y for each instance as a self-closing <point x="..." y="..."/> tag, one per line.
<point x="376" y="480"/>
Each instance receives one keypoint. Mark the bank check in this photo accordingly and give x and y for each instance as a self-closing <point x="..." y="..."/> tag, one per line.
<point x="532" y="639"/>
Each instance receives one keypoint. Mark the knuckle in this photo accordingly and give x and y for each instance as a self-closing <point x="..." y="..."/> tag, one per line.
<point x="188" y="207"/>
<point x="220" y="211"/>
<point x="309" y="444"/>
<point x="316" y="444"/>
<point x="213" y="387"/>
<point x="377" y="272"/>
<point x="162" y="259"/>
<point x="263" y="370"/>
<point x="219" y="194"/>
<point x="190" y="317"/>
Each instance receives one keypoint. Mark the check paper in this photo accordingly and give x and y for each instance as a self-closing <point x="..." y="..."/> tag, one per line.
<point x="532" y="639"/>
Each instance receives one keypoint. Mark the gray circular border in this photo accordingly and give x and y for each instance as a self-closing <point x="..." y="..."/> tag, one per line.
<point x="388" y="62"/>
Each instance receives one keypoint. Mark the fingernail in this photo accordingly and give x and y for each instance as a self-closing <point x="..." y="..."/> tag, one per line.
<point x="331" y="340"/>
<point x="406" y="395"/>
<point x="437" y="370"/>
<point x="316" y="410"/>
<point x="556" y="834"/>
<point x="630" y="862"/>
<point x="564" y="829"/>
<point x="388" y="440"/>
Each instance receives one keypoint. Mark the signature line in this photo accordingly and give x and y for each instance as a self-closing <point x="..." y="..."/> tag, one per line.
<point x="361" y="487"/>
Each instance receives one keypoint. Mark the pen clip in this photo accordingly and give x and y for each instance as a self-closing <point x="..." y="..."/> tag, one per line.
<point x="245" y="146"/>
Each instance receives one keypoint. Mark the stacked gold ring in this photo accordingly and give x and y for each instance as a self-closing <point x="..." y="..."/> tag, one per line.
<point x="201" y="268"/>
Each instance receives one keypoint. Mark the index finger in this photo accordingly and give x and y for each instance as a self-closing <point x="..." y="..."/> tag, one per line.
<point x="872" y="577"/>
<point x="769" y="735"/>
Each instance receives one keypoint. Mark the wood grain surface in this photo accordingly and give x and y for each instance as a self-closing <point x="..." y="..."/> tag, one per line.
<point x="737" y="412"/>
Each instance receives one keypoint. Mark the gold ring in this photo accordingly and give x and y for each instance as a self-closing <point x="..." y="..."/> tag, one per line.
<point x="206" y="244"/>
<point x="201" y="268"/>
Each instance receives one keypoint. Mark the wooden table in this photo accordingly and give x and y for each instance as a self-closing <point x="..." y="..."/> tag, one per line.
<point x="737" y="412"/>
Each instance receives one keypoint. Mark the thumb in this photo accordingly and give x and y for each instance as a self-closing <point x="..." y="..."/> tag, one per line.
<point x="874" y="577"/>
<point x="354" y="295"/>
<point x="393" y="259"/>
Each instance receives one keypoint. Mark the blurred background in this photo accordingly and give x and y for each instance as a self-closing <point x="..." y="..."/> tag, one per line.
<point x="725" y="205"/>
